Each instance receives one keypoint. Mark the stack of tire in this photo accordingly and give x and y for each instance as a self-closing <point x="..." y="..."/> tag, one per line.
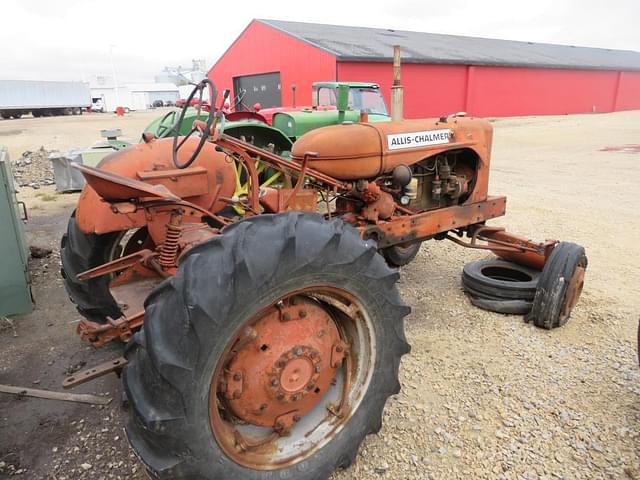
<point x="507" y="287"/>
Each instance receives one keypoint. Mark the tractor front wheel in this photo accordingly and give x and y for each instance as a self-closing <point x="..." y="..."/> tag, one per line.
<point x="401" y="255"/>
<point x="271" y="353"/>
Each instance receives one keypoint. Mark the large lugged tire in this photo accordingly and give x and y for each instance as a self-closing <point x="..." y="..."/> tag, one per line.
<point x="80" y="252"/>
<point x="559" y="286"/>
<point x="203" y="323"/>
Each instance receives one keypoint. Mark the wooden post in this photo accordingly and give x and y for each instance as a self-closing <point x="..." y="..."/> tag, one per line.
<point x="397" y="94"/>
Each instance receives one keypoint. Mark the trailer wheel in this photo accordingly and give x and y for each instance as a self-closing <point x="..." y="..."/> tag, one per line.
<point x="400" y="255"/>
<point x="80" y="252"/>
<point x="17" y="115"/>
<point x="5" y="115"/>
<point x="270" y="354"/>
<point x="559" y="287"/>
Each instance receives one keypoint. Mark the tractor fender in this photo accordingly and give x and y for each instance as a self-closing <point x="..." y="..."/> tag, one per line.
<point x="210" y="177"/>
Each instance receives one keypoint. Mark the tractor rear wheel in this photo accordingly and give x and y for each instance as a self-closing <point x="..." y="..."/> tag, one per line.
<point x="271" y="353"/>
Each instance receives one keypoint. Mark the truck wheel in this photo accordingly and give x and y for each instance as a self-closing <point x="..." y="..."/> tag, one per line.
<point x="5" y="115"/>
<point x="399" y="255"/>
<point x="270" y="354"/>
<point x="80" y="252"/>
<point x="36" y="114"/>
<point x="559" y="286"/>
<point x="17" y="115"/>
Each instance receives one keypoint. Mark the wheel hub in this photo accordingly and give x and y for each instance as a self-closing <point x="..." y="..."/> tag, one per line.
<point x="283" y="365"/>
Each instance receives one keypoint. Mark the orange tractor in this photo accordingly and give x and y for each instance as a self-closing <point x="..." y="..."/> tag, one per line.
<point x="273" y="330"/>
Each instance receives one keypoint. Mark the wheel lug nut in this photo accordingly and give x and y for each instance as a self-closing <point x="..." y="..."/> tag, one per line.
<point x="298" y="351"/>
<point x="237" y="377"/>
<point x="236" y="394"/>
<point x="286" y="317"/>
<point x="318" y="368"/>
<point x="280" y="396"/>
<point x="302" y="314"/>
<point x="263" y="407"/>
<point x="274" y="382"/>
<point x="280" y="364"/>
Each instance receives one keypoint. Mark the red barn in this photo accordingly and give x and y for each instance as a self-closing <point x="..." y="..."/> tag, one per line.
<point x="440" y="73"/>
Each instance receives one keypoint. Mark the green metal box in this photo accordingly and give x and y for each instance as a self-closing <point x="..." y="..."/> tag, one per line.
<point x="15" y="281"/>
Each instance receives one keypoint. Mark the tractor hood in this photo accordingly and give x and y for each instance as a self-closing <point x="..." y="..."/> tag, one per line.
<point x="366" y="150"/>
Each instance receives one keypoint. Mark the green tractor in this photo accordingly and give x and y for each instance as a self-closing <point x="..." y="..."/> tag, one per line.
<point x="332" y="103"/>
<point x="276" y="128"/>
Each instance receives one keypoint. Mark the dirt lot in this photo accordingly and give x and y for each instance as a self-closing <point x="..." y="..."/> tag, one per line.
<point x="484" y="395"/>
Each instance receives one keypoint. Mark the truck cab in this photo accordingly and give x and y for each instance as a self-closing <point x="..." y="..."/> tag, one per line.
<point x="333" y="103"/>
<point x="362" y="96"/>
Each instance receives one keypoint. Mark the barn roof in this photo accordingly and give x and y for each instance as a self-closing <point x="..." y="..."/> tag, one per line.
<point x="376" y="44"/>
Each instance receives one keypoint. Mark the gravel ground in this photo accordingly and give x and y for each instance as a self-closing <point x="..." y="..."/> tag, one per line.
<point x="484" y="395"/>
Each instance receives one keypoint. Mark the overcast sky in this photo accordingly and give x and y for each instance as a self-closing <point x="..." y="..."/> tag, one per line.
<point x="71" y="39"/>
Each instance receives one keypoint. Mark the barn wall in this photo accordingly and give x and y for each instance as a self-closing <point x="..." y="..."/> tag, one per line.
<point x="429" y="90"/>
<point x="628" y="97"/>
<point x="505" y="91"/>
<point x="434" y="90"/>
<point x="263" y="49"/>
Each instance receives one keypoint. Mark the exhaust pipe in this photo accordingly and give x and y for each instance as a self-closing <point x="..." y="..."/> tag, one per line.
<point x="397" y="100"/>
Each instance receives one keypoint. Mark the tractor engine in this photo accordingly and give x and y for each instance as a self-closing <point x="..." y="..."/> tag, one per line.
<point x="422" y="165"/>
<point x="436" y="182"/>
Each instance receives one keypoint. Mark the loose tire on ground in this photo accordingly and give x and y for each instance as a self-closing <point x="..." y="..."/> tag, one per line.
<point x="399" y="256"/>
<point x="80" y="252"/>
<point x="193" y="318"/>
<point x="499" y="279"/>
<point x="559" y="286"/>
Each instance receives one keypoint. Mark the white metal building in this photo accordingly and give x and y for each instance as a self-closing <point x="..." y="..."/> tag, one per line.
<point x="135" y="96"/>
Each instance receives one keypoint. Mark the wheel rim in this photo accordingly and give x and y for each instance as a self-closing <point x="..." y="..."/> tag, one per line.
<point x="292" y="378"/>
<point x="574" y="290"/>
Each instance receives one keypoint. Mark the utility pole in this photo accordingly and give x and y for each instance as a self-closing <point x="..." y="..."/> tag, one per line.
<point x="115" y="79"/>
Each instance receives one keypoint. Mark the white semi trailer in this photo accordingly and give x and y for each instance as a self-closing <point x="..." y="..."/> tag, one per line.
<point x="42" y="98"/>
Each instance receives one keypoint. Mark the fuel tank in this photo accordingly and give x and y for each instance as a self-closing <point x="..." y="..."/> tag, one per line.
<point x="367" y="150"/>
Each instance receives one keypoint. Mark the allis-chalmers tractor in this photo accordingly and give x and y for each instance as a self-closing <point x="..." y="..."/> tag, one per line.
<point x="273" y="330"/>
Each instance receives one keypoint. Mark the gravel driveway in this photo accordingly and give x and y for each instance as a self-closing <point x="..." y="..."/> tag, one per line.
<point x="484" y="395"/>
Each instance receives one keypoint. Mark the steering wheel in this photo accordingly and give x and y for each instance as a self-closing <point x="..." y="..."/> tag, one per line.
<point x="163" y="129"/>
<point x="177" y="144"/>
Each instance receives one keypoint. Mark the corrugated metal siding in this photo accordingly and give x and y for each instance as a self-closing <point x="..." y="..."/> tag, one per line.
<point x="34" y="94"/>
<point x="628" y="96"/>
<point x="434" y="90"/>
<point x="262" y="49"/>
<point x="501" y="91"/>
<point x="429" y="90"/>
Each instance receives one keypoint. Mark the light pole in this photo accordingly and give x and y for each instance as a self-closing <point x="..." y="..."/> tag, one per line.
<point x="113" y="73"/>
